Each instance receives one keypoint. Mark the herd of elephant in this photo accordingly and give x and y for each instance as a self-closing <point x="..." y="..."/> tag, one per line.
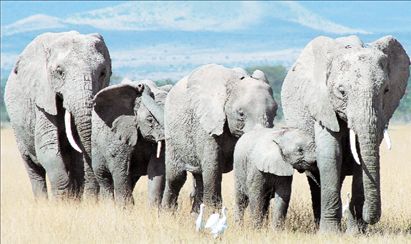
<point x="92" y="139"/>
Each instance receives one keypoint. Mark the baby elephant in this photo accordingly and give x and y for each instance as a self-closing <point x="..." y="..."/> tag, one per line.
<point x="128" y="131"/>
<point x="263" y="166"/>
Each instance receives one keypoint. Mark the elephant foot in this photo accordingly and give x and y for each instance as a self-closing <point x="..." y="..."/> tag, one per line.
<point x="90" y="194"/>
<point x="327" y="226"/>
<point x="356" y="227"/>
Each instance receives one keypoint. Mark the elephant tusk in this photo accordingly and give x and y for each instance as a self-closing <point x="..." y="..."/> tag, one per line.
<point x="387" y="139"/>
<point x="309" y="174"/>
<point x="353" y="147"/>
<point x="69" y="134"/>
<point x="158" y="148"/>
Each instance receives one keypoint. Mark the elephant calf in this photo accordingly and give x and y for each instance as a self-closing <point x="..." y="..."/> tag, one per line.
<point x="263" y="166"/>
<point x="127" y="126"/>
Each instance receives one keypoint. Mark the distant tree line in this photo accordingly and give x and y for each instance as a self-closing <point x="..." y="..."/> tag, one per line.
<point x="275" y="75"/>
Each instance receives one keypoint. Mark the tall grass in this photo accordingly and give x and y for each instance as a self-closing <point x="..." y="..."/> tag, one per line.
<point x="25" y="221"/>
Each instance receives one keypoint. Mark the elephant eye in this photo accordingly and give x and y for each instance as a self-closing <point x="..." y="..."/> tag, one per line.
<point x="341" y="90"/>
<point x="59" y="71"/>
<point x="386" y="90"/>
<point x="240" y="113"/>
<point x="103" y="73"/>
<point x="300" y="150"/>
<point x="150" y="119"/>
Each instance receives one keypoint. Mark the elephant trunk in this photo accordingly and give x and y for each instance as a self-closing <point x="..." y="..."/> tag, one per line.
<point x="80" y="108"/>
<point x="368" y="135"/>
<point x="155" y="109"/>
<point x="82" y="118"/>
<point x="371" y="177"/>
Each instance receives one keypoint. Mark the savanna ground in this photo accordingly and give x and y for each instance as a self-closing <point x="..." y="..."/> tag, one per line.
<point x="24" y="221"/>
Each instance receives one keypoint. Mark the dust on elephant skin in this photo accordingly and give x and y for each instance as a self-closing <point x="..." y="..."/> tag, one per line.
<point x="264" y="162"/>
<point x="49" y="96"/>
<point x="344" y="92"/>
<point x="205" y="113"/>
<point x="128" y="127"/>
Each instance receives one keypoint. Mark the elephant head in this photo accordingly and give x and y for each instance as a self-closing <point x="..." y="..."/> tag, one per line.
<point x="133" y="109"/>
<point x="282" y="150"/>
<point x="67" y="70"/>
<point x="360" y="85"/>
<point x="221" y="95"/>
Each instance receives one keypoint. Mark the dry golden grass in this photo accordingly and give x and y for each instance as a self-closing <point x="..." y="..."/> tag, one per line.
<point x="24" y="221"/>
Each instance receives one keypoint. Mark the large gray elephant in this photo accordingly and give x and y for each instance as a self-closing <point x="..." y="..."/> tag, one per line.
<point x="344" y="92"/>
<point x="264" y="162"/>
<point x="49" y="97"/>
<point x="205" y="114"/>
<point x="128" y="124"/>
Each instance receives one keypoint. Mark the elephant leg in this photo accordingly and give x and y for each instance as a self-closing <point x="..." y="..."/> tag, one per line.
<point x="91" y="186"/>
<point x="266" y="207"/>
<point x="49" y="155"/>
<point x="258" y="194"/>
<point x="106" y="185"/>
<point x="281" y="201"/>
<point x="198" y="191"/>
<point x="355" y="222"/>
<point x="329" y="160"/>
<point x="241" y="203"/>
<point x="156" y="181"/>
<point x="257" y="204"/>
<point x="212" y="187"/>
<point x="315" y="196"/>
<point x="103" y="175"/>
<point x="37" y="176"/>
<point x="155" y="190"/>
<point x="105" y="180"/>
<point x="175" y="179"/>
<point x="57" y="174"/>
<point x="123" y="187"/>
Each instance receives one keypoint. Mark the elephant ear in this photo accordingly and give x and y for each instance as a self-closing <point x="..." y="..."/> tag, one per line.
<point x="398" y="72"/>
<point x="207" y="87"/>
<point x="125" y="128"/>
<point x="269" y="159"/>
<point x="115" y="105"/>
<point x="45" y="97"/>
<point x="317" y="57"/>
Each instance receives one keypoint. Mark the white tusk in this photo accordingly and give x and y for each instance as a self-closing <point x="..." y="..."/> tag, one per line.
<point x="158" y="148"/>
<point x="387" y="139"/>
<point x="309" y="174"/>
<point x="67" y="122"/>
<point x="353" y="147"/>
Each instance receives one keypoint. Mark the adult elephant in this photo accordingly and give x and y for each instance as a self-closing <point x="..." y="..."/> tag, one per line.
<point x="344" y="92"/>
<point x="128" y="124"/>
<point x="49" y="97"/>
<point x="205" y="114"/>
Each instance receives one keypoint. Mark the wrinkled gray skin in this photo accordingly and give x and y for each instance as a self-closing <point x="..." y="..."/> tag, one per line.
<point x="128" y="122"/>
<point x="205" y="114"/>
<point x="263" y="167"/>
<point x="57" y="72"/>
<point x="334" y="86"/>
